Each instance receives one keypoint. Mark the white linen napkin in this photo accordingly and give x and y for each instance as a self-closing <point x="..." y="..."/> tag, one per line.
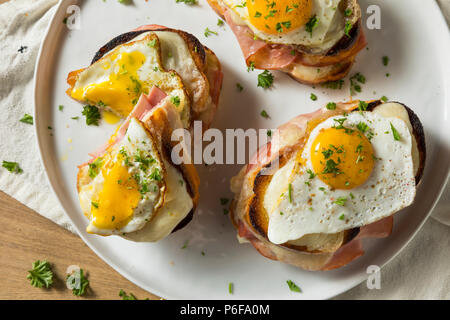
<point x="22" y="27"/>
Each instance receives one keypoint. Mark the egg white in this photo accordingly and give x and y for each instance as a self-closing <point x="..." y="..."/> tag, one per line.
<point x="330" y="28"/>
<point x="390" y="187"/>
<point x="136" y="138"/>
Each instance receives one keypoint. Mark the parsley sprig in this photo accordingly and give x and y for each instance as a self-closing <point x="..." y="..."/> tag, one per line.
<point x="265" y="79"/>
<point x="92" y="115"/>
<point x="41" y="274"/>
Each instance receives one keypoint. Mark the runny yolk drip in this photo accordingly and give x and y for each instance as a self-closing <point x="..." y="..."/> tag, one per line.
<point x="119" y="197"/>
<point x="342" y="158"/>
<point x="279" y="16"/>
<point x="122" y="89"/>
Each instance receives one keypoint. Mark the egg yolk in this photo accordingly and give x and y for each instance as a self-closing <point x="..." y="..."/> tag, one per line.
<point x="279" y="16"/>
<point x="122" y="89"/>
<point x="119" y="197"/>
<point x="342" y="158"/>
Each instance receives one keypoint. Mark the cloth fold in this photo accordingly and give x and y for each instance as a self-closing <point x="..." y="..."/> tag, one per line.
<point x="22" y="28"/>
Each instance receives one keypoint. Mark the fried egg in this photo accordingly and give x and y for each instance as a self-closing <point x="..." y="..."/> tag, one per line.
<point x="354" y="169"/>
<point x="311" y="23"/>
<point x="116" y="81"/>
<point x="126" y="185"/>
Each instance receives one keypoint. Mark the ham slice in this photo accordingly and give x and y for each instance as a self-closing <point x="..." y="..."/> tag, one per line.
<point x="271" y="56"/>
<point x="144" y="105"/>
<point x="262" y="54"/>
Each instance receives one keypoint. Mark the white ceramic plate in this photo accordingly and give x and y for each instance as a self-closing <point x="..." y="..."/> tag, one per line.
<point x="413" y="35"/>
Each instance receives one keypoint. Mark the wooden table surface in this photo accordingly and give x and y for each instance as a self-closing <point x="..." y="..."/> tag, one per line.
<point x="27" y="236"/>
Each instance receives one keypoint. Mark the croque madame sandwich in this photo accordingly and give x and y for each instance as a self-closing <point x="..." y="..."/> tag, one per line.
<point x="158" y="80"/>
<point x="132" y="63"/>
<point x="327" y="180"/>
<point x="313" y="41"/>
<point x="132" y="187"/>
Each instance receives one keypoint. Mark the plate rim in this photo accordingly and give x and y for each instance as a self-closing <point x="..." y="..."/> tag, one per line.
<point x="128" y="275"/>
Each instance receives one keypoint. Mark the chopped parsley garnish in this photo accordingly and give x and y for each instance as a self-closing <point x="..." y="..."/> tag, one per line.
<point x="175" y="100"/>
<point x="311" y="24"/>
<point x="313" y="97"/>
<point x="122" y="293"/>
<point x="269" y="133"/>
<point x="331" y="106"/>
<point x="265" y="79"/>
<point x="395" y="133"/>
<point x="12" y="166"/>
<point x="239" y="87"/>
<point x="362" y="126"/>
<point x="341" y="201"/>
<point x="230" y="288"/>
<point x="348" y="12"/>
<point x="251" y="66"/>
<point x="209" y="32"/>
<point x="185" y="245"/>
<point x="152" y="43"/>
<point x="384" y="99"/>
<point x="264" y="114"/>
<point x="220" y="22"/>
<point x="28" y="119"/>
<point x="94" y="204"/>
<point x="342" y="217"/>
<point x="189" y="2"/>
<point x="60" y="107"/>
<point x="41" y="274"/>
<point x="292" y="286"/>
<point x="156" y="175"/>
<point x="92" y="115"/>
<point x="362" y="106"/>
<point x="359" y="148"/>
<point x="79" y="283"/>
<point x="385" y="60"/>
<point x="94" y="167"/>
<point x="311" y="173"/>
<point x="348" y="28"/>
<point x="327" y="153"/>
<point x="354" y="80"/>
<point x="285" y="24"/>
<point x="331" y="167"/>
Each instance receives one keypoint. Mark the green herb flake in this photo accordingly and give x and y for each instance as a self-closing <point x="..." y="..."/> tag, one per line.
<point x="331" y="106"/>
<point x="12" y="166"/>
<point x="293" y="287"/>
<point x="92" y="115"/>
<point x="395" y="133"/>
<point x="28" y="119"/>
<point x="265" y="79"/>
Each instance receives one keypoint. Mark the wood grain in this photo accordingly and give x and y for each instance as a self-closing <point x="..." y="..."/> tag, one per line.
<point x="27" y="236"/>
